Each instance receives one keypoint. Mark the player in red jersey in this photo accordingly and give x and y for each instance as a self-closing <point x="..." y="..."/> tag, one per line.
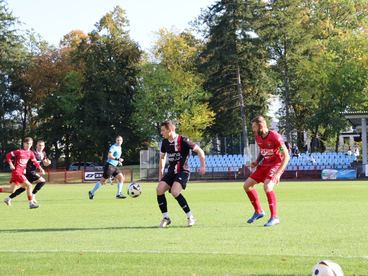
<point x="18" y="179"/>
<point x="270" y="164"/>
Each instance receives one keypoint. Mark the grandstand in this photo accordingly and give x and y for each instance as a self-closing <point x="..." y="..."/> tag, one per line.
<point x="306" y="161"/>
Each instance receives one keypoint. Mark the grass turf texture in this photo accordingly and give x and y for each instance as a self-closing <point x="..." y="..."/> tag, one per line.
<point x="72" y="235"/>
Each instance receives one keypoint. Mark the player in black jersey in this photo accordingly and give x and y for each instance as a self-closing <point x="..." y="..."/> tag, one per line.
<point x="31" y="174"/>
<point x="177" y="149"/>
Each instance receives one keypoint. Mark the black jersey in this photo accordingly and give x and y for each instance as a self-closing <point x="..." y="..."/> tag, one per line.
<point x="178" y="153"/>
<point x="40" y="156"/>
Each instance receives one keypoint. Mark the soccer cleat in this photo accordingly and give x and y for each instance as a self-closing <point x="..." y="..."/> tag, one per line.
<point x="33" y="205"/>
<point x="7" y="201"/>
<point x="256" y="216"/>
<point x="165" y="222"/>
<point x="191" y="221"/>
<point x="272" y="222"/>
<point x="90" y="195"/>
<point x="121" y="196"/>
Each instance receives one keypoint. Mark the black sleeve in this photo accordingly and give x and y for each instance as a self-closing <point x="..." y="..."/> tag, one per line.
<point x="187" y="143"/>
<point x="163" y="147"/>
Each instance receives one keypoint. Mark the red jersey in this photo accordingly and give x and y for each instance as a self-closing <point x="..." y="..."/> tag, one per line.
<point x="21" y="159"/>
<point x="270" y="148"/>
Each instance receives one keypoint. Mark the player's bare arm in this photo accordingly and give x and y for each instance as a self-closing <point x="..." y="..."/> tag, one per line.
<point x="112" y="157"/>
<point x="258" y="160"/>
<point x="161" y="165"/>
<point x="202" y="159"/>
<point x="285" y="160"/>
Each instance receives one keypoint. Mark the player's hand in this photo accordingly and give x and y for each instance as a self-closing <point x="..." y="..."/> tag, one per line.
<point x="121" y="160"/>
<point x="202" y="170"/>
<point x="12" y="167"/>
<point x="46" y="162"/>
<point x="42" y="171"/>
<point x="253" y="165"/>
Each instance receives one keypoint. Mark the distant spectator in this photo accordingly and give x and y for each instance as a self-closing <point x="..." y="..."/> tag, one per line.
<point x="349" y="152"/>
<point x="296" y="153"/>
<point x="288" y="146"/>
<point x="356" y="152"/>
<point x="294" y="149"/>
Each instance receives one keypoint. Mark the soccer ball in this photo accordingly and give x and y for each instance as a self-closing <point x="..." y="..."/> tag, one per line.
<point x="327" y="268"/>
<point x="134" y="190"/>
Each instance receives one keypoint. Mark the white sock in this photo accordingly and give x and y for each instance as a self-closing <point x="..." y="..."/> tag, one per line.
<point x="120" y="188"/>
<point x="165" y="215"/>
<point x="97" y="186"/>
<point x="189" y="214"/>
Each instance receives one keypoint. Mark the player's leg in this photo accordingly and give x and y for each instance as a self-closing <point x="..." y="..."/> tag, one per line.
<point x="28" y="186"/>
<point x="120" y="177"/>
<point x="180" y="183"/>
<point x="250" y="190"/>
<point x="17" y="192"/>
<point x="9" y="189"/>
<point x="271" y="198"/>
<point x="161" y="189"/>
<point x="40" y="182"/>
<point x="106" y="175"/>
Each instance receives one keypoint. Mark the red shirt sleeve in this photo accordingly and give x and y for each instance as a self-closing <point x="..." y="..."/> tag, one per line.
<point x="11" y="154"/>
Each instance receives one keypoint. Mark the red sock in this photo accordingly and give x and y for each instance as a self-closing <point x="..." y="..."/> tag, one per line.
<point x="30" y="197"/>
<point x="1" y="190"/>
<point x="271" y="197"/>
<point x="253" y="197"/>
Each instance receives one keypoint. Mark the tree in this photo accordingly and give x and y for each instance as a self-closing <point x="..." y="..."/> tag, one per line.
<point x="232" y="45"/>
<point x="172" y="89"/>
<point x="110" y="61"/>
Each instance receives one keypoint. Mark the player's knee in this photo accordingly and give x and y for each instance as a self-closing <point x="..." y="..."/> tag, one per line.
<point x="175" y="193"/>
<point x="268" y="188"/>
<point x="160" y="190"/>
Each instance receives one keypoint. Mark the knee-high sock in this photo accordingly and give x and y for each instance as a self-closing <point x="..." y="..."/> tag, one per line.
<point x="97" y="186"/>
<point x="37" y="187"/>
<point x="120" y="188"/>
<point x="162" y="203"/>
<point x="183" y="203"/>
<point x="17" y="192"/>
<point x="271" y="197"/>
<point x="253" y="197"/>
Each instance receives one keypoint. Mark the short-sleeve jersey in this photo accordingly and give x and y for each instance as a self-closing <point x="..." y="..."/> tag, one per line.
<point x="177" y="152"/>
<point x="40" y="156"/>
<point x="21" y="159"/>
<point x="116" y="152"/>
<point x="270" y="148"/>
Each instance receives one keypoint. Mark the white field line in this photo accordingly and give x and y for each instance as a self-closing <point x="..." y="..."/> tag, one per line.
<point x="176" y="252"/>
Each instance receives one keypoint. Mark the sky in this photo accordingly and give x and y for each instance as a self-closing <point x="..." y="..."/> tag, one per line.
<point x="52" y="19"/>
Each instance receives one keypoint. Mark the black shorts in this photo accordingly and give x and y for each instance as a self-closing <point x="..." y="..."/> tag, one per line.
<point x="32" y="176"/>
<point x="181" y="177"/>
<point x="110" y="170"/>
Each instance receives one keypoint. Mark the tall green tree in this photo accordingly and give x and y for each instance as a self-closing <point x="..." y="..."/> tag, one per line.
<point x="11" y="54"/>
<point x="172" y="88"/>
<point x="110" y="59"/>
<point x="231" y="45"/>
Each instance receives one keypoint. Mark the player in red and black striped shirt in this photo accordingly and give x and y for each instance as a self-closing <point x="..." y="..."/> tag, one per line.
<point x="270" y="164"/>
<point x="177" y="149"/>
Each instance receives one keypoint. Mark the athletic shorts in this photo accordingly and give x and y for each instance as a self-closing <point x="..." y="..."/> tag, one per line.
<point x="17" y="178"/>
<point x="263" y="173"/>
<point x="181" y="177"/>
<point x="110" y="170"/>
<point x="32" y="176"/>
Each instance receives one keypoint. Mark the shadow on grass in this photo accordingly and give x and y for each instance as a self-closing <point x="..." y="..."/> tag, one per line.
<point x="84" y="229"/>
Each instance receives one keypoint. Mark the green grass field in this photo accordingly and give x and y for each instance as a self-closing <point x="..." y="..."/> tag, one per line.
<point x="72" y="235"/>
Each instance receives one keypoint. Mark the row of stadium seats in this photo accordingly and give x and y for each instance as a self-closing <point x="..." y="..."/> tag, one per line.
<point x="220" y="163"/>
<point x="306" y="161"/>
